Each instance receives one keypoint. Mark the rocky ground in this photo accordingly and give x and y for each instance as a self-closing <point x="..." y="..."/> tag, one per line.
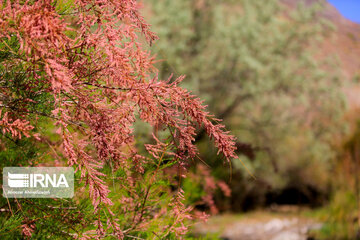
<point x="259" y="226"/>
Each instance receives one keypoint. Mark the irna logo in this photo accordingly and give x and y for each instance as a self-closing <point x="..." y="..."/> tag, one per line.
<point x="38" y="182"/>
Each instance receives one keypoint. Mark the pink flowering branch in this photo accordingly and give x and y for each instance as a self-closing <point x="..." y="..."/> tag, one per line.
<point x="102" y="79"/>
<point x="16" y="128"/>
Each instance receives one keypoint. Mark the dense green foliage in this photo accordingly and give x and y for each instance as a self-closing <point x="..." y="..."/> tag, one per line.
<point x="255" y="64"/>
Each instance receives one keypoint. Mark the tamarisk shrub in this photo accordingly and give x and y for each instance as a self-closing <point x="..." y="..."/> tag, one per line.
<point x="203" y="188"/>
<point x="85" y="59"/>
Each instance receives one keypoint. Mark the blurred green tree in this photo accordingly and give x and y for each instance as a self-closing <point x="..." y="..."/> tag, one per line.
<point x="258" y="66"/>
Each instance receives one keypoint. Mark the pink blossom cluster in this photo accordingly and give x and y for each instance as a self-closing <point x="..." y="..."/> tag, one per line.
<point x="15" y="128"/>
